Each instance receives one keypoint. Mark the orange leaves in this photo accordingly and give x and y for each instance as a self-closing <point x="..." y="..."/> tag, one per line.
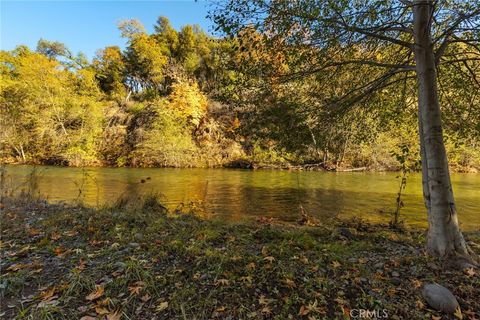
<point x="49" y="297"/>
<point x="303" y="311"/>
<point x="97" y="293"/>
<point x="235" y="124"/>
<point x="136" y="287"/>
<point x="46" y="295"/>
<point x="61" y="252"/>
<point x="416" y="283"/>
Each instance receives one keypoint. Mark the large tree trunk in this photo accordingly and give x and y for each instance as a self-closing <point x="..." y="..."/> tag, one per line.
<point x="444" y="236"/>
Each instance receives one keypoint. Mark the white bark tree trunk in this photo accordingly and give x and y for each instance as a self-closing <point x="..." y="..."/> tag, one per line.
<point x="444" y="237"/>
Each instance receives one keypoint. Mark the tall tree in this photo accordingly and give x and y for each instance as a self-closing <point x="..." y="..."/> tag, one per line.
<point x="394" y="38"/>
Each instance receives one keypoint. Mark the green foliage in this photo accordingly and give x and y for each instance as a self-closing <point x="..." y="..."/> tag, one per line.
<point x="48" y="111"/>
<point x="109" y="67"/>
<point x="167" y="142"/>
<point x="184" y="98"/>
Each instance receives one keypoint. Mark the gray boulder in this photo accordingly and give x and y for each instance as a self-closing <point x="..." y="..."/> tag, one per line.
<point x="440" y="298"/>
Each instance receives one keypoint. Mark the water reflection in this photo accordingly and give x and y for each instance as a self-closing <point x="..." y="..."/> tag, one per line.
<point x="240" y="194"/>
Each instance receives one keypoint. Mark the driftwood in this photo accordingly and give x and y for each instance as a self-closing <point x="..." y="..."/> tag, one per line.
<point x="352" y="169"/>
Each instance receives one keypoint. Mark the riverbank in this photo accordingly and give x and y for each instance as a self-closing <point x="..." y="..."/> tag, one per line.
<point x="139" y="261"/>
<point x="249" y="165"/>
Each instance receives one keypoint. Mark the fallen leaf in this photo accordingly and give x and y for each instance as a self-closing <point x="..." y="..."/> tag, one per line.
<point x="19" y="266"/>
<point x="264" y="251"/>
<point x="336" y="264"/>
<point x="416" y="284"/>
<point x="221" y="309"/>
<point x="458" y="314"/>
<point x="101" y="311"/>
<point x="263" y="300"/>
<point x="50" y="302"/>
<point x="470" y="272"/>
<point x="269" y="259"/>
<point x="99" y="290"/>
<point x="162" y="306"/>
<point x="251" y="266"/>
<point x="117" y="315"/>
<point x="266" y="310"/>
<point x="136" y="288"/>
<point x="55" y="236"/>
<point x="82" y="264"/>
<point x="223" y="282"/>
<point x="419" y="304"/>
<point x="303" y="311"/>
<point x="248" y="279"/>
<point x="290" y="283"/>
<point x="88" y="318"/>
<point x="71" y="233"/>
<point x="146" y="297"/>
<point x="47" y="295"/>
<point x="33" y="232"/>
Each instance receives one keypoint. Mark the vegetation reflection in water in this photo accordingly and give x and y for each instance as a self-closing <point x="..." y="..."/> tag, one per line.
<point x="243" y="194"/>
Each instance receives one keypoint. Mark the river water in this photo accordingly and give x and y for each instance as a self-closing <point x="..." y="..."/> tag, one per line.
<point x="244" y="194"/>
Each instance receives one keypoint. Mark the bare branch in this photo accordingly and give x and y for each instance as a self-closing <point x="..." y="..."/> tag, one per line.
<point x="380" y="36"/>
<point x="404" y="67"/>
<point x="449" y="32"/>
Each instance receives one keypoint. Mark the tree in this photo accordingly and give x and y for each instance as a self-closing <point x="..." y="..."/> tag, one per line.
<point x="395" y="38"/>
<point x="53" y="49"/>
<point x="52" y="114"/>
<point x="110" y="71"/>
<point x="144" y="58"/>
<point x="167" y="34"/>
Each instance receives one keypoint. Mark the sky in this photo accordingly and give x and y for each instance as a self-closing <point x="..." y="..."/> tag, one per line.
<point x="86" y="25"/>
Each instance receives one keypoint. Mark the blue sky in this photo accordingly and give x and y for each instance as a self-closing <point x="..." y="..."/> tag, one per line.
<point x="88" y="25"/>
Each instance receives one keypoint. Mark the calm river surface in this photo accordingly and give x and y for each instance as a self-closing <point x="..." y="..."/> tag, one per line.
<point x="243" y="194"/>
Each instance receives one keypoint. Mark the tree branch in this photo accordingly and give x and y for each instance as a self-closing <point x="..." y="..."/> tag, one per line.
<point x="449" y="32"/>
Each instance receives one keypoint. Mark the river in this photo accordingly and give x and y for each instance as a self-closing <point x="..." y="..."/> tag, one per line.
<point x="244" y="194"/>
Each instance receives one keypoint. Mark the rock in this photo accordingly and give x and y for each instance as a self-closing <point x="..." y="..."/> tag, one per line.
<point x="395" y="281"/>
<point x="346" y="232"/>
<point x="119" y="265"/>
<point x="378" y="265"/>
<point x="395" y="274"/>
<point x="440" y="298"/>
<point x="134" y="245"/>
